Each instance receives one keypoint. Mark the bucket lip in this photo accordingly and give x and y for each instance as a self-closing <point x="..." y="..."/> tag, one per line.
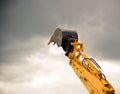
<point x="56" y="37"/>
<point x="66" y="30"/>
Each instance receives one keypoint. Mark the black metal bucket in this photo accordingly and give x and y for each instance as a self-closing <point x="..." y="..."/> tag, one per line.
<point x="63" y="38"/>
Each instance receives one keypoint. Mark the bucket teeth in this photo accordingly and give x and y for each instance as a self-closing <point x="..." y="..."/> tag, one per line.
<point x="56" y="37"/>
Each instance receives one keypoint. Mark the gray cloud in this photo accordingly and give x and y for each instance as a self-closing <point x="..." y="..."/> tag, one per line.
<point x="98" y="22"/>
<point x="25" y="29"/>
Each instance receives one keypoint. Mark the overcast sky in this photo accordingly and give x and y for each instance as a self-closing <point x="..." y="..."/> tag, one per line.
<point x="29" y="66"/>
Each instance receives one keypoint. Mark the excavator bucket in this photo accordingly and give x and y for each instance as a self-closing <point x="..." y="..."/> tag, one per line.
<point x="63" y="38"/>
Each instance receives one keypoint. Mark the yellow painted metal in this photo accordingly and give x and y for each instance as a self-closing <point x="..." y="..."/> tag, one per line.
<point x="91" y="76"/>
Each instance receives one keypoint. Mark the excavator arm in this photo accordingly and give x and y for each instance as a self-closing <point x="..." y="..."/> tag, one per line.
<point x="87" y="69"/>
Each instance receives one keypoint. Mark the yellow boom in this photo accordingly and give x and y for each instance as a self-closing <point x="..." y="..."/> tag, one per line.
<point x="87" y="69"/>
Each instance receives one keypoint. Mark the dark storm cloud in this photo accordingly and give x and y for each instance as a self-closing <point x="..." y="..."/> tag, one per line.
<point x="22" y="20"/>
